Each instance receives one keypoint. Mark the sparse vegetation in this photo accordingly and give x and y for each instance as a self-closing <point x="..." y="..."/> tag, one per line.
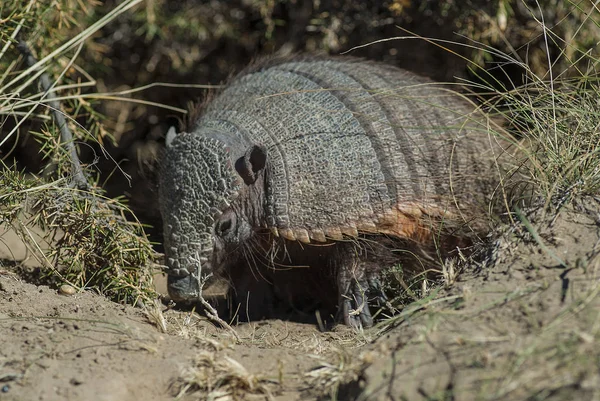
<point x="91" y="244"/>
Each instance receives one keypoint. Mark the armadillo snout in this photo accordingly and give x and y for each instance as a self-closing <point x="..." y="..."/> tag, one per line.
<point x="182" y="280"/>
<point x="186" y="275"/>
<point x="183" y="288"/>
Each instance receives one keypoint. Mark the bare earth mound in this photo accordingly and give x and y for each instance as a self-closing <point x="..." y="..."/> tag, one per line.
<point x="522" y="326"/>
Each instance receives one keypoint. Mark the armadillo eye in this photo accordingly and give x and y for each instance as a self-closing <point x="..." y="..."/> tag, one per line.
<point x="224" y="225"/>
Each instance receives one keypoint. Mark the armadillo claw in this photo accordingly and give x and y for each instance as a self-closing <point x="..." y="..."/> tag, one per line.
<point x="355" y="307"/>
<point x="357" y="318"/>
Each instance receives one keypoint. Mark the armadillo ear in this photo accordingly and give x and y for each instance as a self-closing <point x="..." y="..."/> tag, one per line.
<point x="253" y="161"/>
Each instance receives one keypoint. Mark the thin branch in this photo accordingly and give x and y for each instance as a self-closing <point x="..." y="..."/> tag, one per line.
<point x="66" y="136"/>
<point x="212" y="314"/>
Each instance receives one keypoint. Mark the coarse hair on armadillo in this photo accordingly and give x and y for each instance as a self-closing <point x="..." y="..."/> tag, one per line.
<point x="327" y="161"/>
<point x="195" y="109"/>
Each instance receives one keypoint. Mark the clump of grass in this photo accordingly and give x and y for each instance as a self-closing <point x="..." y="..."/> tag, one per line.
<point x="214" y="377"/>
<point x="331" y="378"/>
<point x="552" y="107"/>
<point x="93" y="245"/>
<point x="95" y="242"/>
<point x="558" y="123"/>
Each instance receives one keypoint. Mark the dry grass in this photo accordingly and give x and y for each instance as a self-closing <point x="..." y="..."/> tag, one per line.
<point x="329" y="378"/>
<point x="215" y="377"/>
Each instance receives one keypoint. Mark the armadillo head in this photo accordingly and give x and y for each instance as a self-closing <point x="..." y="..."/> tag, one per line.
<point x="202" y="184"/>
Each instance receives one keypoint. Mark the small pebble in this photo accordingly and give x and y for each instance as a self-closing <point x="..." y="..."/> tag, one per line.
<point x="67" y="289"/>
<point x="76" y="381"/>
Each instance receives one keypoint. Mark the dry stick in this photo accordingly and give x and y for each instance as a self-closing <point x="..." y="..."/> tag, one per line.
<point x="212" y="314"/>
<point x="66" y="137"/>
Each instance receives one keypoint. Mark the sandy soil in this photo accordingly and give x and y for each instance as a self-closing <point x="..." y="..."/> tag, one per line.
<point x="522" y="326"/>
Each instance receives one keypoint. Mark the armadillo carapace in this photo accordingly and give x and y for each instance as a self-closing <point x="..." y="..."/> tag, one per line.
<point x="331" y="165"/>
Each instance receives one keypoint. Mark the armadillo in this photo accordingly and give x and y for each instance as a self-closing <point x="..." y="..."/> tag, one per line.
<point x="330" y="165"/>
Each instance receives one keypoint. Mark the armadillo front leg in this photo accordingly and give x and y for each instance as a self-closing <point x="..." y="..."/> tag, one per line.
<point x="353" y="286"/>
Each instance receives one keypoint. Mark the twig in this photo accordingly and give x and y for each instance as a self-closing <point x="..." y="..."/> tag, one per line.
<point x="212" y="314"/>
<point x="66" y="137"/>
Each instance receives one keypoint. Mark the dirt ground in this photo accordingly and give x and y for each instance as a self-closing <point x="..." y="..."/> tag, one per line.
<point x="522" y="325"/>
